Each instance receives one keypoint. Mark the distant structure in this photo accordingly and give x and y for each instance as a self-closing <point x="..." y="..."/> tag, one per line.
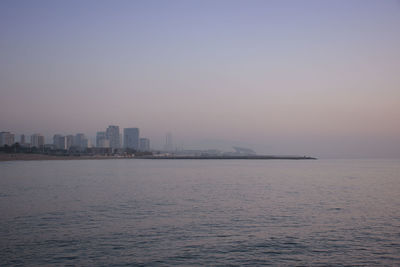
<point x="112" y="134"/>
<point x="244" y="151"/>
<point x="86" y="143"/>
<point x="59" y="141"/>
<point x="101" y="139"/>
<point x="6" y="138"/>
<point x="69" y="141"/>
<point x="107" y="142"/>
<point x="22" y="139"/>
<point x="104" y="143"/>
<point x="169" y="145"/>
<point x="144" y="144"/>
<point x="131" y="138"/>
<point x="79" y="140"/>
<point x="37" y="140"/>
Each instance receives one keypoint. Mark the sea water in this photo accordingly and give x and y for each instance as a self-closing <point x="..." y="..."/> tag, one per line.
<point x="200" y="212"/>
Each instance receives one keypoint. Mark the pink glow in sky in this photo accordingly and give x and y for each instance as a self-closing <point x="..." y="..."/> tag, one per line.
<point x="290" y="77"/>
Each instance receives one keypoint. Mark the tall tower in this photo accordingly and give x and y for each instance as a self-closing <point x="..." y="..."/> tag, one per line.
<point x="112" y="134"/>
<point x="169" y="146"/>
<point x="131" y="138"/>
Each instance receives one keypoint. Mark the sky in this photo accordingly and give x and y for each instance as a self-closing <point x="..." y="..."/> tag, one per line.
<point x="318" y="78"/>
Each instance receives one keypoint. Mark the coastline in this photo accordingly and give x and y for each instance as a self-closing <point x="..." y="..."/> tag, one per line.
<point x="32" y="157"/>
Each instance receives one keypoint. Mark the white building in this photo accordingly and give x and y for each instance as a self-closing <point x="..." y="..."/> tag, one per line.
<point x="37" y="140"/>
<point x="112" y="134"/>
<point x="6" y="138"/>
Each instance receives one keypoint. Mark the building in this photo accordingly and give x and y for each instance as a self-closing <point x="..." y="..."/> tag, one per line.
<point x="86" y="143"/>
<point x="169" y="146"/>
<point x="112" y="134"/>
<point x="69" y="141"/>
<point x="144" y="144"/>
<point x="6" y="138"/>
<point x="59" y="141"/>
<point x="101" y="140"/>
<point x="37" y="140"/>
<point x="131" y="138"/>
<point x="79" y="140"/>
<point x="22" y="141"/>
<point x="103" y="143"/>
<point x="244" y="151"/>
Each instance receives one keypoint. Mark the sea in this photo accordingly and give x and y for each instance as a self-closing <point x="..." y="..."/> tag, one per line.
<point x="138" y="212"/>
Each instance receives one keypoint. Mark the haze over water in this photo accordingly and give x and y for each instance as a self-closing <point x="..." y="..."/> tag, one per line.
<point x="193" y="212"/>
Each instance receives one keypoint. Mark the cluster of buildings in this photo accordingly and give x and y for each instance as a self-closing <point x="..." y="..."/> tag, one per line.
<point x="77" y="141"/>
<point x="108" y="141"/>
<point x="8" y="138"/>
<point x="112" y="138"/>
<point x="112" y="142"/>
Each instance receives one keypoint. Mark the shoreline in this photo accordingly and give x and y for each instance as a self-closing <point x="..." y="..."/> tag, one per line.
<point x="33" y="157"/>
<point x="258" y="157"/>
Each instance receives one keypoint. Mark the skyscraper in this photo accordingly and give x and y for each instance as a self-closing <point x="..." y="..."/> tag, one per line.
<point x="169" y="146"/>
<point x="112" y="134"/>
<point x="131" y="138"/>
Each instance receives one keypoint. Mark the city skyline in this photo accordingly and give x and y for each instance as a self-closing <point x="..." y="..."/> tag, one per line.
<point x="280" y="77"/>
<point x="112" y="134"/>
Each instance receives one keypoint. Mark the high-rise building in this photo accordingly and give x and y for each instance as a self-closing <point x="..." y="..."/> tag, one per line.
<point x="104" y="143"/>
<point x="79" y="140"/>
<point x="37" y="140"/>
<point x="86" y="143"/>
<point x="6" y="138"/>
<point x="59" y="141"/>
<point x="169" y="146"/>
<point x="131" y="138"/>
<point x="144" y="144"/>
<point x="112" y="134"/>
<point x="22" y="139"/>
<point x="69" y="141"/>
<point x="101" y="140"/>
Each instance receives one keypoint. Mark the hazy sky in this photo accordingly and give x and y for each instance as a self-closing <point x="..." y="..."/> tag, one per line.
<point x="320" y="78"/>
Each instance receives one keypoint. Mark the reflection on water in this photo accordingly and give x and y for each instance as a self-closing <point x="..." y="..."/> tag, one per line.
<point x="216" y="212"/>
